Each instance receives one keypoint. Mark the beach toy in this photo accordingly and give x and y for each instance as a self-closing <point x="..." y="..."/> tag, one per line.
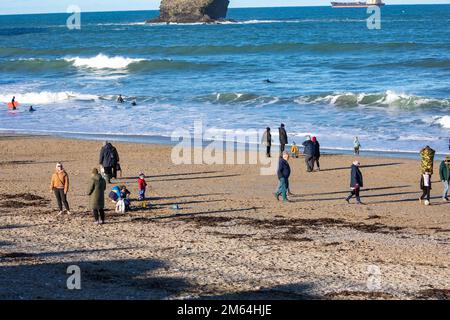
<point x="427" y="203"/>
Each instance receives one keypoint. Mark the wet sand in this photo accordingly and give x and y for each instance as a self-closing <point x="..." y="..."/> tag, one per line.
<point x="230" y="238"/>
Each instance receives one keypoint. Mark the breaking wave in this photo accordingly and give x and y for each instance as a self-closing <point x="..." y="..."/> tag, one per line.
<point x="47" y="97"/>
<point x="99" y="62"/>
<point x="386" y="99"/>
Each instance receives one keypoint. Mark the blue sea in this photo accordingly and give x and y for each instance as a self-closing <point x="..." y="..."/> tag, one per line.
<point x="330" y="75"/>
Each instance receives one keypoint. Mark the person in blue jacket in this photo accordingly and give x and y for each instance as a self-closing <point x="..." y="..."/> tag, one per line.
<point x="283" y="172"/>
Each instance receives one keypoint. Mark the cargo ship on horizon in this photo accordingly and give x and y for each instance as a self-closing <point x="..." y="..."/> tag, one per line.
<point x="359" y="4"/>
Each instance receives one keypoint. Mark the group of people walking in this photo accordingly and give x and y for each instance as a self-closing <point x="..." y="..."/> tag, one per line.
<point x="356" y="176"/>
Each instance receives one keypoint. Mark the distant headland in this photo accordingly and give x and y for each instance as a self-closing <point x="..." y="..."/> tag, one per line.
<point x="188" y="11"/>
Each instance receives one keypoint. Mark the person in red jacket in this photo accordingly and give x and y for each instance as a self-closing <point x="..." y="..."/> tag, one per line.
<point x="142" y="185"/>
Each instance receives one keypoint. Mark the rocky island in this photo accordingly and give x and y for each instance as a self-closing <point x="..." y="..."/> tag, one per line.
<point x="188" y="11"/>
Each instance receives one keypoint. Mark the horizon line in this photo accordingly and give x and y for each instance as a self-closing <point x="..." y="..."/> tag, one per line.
<point x="142" y="10"/>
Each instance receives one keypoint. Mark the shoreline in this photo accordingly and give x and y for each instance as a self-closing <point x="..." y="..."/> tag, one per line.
<point x="163" y="140"/>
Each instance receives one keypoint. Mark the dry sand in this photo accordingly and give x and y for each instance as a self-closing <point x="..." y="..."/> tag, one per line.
<point x="229" y="239"/>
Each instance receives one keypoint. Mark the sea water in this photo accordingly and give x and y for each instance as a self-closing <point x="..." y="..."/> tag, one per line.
<point x="331" y="76"/>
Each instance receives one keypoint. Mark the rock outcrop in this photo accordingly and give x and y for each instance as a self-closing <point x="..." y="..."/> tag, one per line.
<point x="187" y="11"/>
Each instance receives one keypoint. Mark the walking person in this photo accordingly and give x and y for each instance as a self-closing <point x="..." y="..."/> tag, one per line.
<point x="316" y="153"/>
<point x="283" y="138"/>
<point x="96" y="191"/>
<point x="444" y="174"/>
<point x="308" y="151"/>
<point x="356" y="182"/>
<point x="356" y="146"/>
<point x="60" y="186"/>
<point x="283" y="172"/>
<point x="109" y="158"/>
<point x="267" y="141"/>
<point x="425" y="185"/>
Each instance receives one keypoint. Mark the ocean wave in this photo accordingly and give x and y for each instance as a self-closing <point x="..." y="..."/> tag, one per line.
<point x="47" y="97"/>
<point x="102" y="61"/>
<point x="442" y="121"/>
<point x="237" y="98"/>
<point x="349" y="99"/>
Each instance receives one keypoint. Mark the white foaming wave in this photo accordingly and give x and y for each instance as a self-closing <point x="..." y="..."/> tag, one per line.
<point x="443" y="121"/>
<point x="102" y="61"/>
<point x="389" y="98"/>
<point x="47" y="97"/>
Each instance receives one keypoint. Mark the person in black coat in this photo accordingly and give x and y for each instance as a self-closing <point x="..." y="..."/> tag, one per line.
<point x="316" y="153"/>
<point x="283" y="137"/>
<point x="283" y="172"/>
<point x="356" y="182"/>
<point x="267" y="141"/>
<point x="109" y="159"/>
<point x="309" y="154"/>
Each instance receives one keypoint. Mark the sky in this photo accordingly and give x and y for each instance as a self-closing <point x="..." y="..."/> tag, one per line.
<point x="50" y="6"/>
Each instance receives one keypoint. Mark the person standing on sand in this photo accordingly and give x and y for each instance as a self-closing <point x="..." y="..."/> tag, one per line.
<point x="283" y="172"/>
<point x="283" y="137"/>
<point x="109" y="158"/>
<point x="444" y="174"/>
<point x="96" y="191"/>
<point x="60" y="186"/>
<point x="316" y="153"/>
<point x="356" y="146"/>
<point x="267" y="141"/>
<point x="356" y="182"/>
<point x="309" y="154"/>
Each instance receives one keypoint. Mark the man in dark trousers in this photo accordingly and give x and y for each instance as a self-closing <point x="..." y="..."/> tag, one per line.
<point x="267" y="141"/>
<point x="283" y="137"/>
<point x="283" y="172"/>
<point x="108" y="160"/>
<point x="356" y="182"/>
<point x="309" y="151"/>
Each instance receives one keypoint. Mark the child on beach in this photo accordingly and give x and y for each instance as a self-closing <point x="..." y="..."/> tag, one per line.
<point x="294" y="150"/>
<point x="425" y="185"/>
<point x="121" y="197"/>
<point x="142" y="185"/>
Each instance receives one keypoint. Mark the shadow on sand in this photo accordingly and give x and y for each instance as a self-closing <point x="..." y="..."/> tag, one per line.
<point x="112" y="279"/>
<point x="364" y="166"/>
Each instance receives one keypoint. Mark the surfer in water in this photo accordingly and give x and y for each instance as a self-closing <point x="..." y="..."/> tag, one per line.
<point x="13" y="103"/>
<point x="31" y="109"/>
<point x="134" y="103"/>
<point x="120" y="99"/>
<point x="268" y="81"/>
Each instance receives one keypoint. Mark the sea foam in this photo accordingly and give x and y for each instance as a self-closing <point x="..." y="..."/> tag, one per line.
<point x="102" y="61"/>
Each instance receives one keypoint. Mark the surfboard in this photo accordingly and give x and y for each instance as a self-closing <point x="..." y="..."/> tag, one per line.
<point x="10" y="105"/>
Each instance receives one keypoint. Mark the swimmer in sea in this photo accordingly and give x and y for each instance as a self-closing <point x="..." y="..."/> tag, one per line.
<point x="120" y="99"/>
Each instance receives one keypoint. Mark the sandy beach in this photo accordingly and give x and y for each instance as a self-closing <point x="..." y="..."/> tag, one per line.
<point x="230" y="238"/>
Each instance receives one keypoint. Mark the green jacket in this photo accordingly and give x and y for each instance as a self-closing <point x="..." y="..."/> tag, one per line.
<point x="96" y="190"/>
<point x="444" y="171"/>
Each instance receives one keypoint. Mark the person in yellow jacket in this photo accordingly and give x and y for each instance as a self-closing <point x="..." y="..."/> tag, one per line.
<point x="60" y="186"/>
<point x="294" y="150"/>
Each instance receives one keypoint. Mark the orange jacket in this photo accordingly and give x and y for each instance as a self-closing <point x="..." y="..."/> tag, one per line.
<point x="60" y="180"/>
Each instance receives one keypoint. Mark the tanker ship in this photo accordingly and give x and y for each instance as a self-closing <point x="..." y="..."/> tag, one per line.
<point x="359" y="4"/>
